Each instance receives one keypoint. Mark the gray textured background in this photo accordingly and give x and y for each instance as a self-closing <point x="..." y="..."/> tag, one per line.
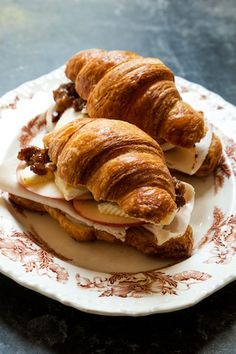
<point x="197" y="39"/>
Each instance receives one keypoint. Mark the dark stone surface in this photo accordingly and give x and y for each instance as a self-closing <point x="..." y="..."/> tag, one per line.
<point x="31" y="323"/>
<point x="198" y="41"/>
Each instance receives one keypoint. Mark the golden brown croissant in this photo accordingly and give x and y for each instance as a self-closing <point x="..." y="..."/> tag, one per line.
<point x="123" y="85"/>
<point x="125" y="172"/>
<point x="117" y="162"/>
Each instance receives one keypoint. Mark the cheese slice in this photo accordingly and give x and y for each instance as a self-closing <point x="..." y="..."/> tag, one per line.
<point x="68" y="116"/>
<point x="179" y="224"/>
<point x="29" y="178"/>
<point x="67" y="190"/>
<point x="189" y="160"/>
<point x="109" y="208"/>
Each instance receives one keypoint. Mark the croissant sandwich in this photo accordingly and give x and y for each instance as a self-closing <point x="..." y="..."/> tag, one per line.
<point x="123" y="85"/>
<point x="107" y="180"/>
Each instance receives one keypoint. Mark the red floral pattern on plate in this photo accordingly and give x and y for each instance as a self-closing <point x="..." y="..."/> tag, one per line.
<point x="30" y="130"/>
<point x="222" y="235"/>
<point x="12" y="104"/>
<point x="223" y="170"/>
<point x="141" y="284"/>
<point x="17" y="246"/>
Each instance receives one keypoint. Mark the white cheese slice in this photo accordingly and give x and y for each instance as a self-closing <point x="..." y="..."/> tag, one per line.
<point x="179" y="224"/>
<point x="68" y="116"/>
<point x="114" y="209"/>
<point x="30" y="178"/>
<point x="67" y="190"/>
<point x="39" y="184"/>
<point x="109" y="208"/>
<point x="189" y="160"/>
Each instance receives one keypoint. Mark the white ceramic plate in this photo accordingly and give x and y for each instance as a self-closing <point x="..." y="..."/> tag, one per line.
<point x="117" y="280"/>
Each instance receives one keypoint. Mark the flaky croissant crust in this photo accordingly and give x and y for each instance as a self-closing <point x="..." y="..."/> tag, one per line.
<point x="117" y="162"/>
<point x="123" y="85"/>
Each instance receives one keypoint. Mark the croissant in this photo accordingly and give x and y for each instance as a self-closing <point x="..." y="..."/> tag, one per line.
<point x="126" y="86"/>
<point x="122" y="170"/>
<point x="123" y="85"/>
<point x="122" y="165"/>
